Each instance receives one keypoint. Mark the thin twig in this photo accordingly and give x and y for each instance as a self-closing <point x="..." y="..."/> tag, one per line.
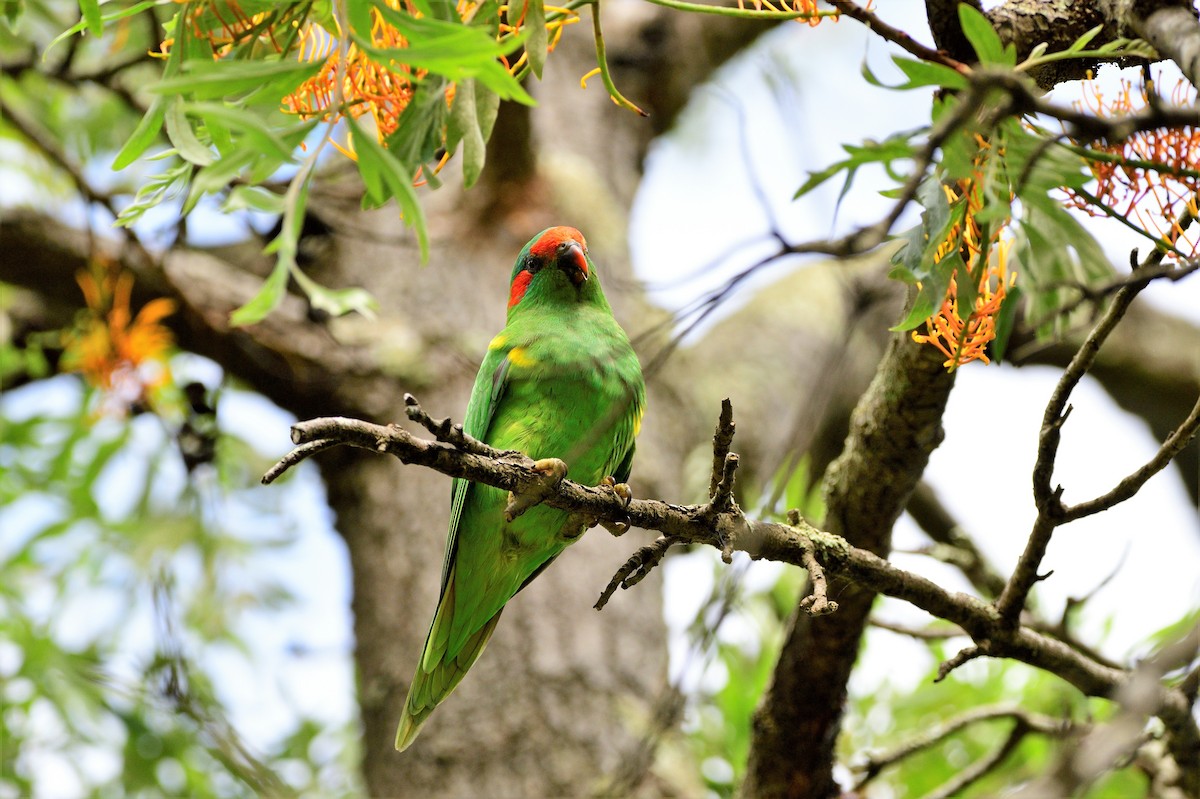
<point x="1047" y="499"/>
<point x="964" y="655"/>
<point x="1129" y="486"/>
<point x="636" y="568"/>
<point x="896" y="36"/>
<point x="919" y="633"/>
<point x="722" y="440"/>
<point x="1034" y="722"/>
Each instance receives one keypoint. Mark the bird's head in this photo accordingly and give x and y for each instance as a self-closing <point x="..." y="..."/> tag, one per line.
<point x="554" y="267"/>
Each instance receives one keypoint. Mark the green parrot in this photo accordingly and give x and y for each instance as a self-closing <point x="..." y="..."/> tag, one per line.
<point x="559" y="381"/>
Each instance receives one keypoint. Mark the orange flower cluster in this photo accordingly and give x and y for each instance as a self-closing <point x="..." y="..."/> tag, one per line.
<point x="224" y="24"/>
<point x="812" y="16"/>
<point x="124" y="355"/>
<point x="1152" y="177"/>
<point x="964" y="337"/>
<point x="367" y="87"/>
<point x="370" y="87"/>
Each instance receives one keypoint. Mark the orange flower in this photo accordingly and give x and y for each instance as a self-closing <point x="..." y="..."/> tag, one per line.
<point x="965" y="341"/>
<point x="811" y="15"/>
<point x="121" y="354"/>
<point x="384" y="93"/>
<point x="963" y="337"/>
<point x="1150" y="177"/>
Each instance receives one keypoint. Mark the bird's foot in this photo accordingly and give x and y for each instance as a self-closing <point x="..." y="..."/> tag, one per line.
<point x="550" y="472"/>
<point x="623" y="492"/>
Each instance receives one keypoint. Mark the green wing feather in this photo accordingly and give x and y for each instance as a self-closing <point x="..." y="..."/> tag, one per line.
<point x="437" y="675"/>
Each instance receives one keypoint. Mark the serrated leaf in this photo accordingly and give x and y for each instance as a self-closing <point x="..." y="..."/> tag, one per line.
<point x="983" y="37"/>
<point x="538" y="42"/>
<point x="216" y="176"/>
<point x="893" y="148"/>
<point x="266" y="300"/>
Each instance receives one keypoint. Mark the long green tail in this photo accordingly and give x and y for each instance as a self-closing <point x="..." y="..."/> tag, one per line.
<point x="434" y="681"/>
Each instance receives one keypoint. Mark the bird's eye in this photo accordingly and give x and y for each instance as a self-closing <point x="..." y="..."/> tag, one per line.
<point x="532" y="264"/>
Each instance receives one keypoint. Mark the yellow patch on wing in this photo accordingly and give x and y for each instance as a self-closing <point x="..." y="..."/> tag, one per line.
<point x="499" y="341"/>
<point x="518" y="356"/>
<point x="637" y="421"/>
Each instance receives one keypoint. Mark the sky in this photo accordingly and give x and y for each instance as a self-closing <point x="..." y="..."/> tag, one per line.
<point x="301" y="661"/>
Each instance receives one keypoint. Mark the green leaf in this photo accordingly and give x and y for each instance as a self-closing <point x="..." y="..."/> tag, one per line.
<point x="254" y="198"/>
<point x="253" y="129"/>
<point x="143" y="135"/>
<point x="266" y="300"/>
<point x="391" y="179"/>
<point x="90" y="10"/>
<point x="539" y="39"/>
<point x="337" y="302"/>
<point x="1082" y="42"/>
<point x="212" y="80"/>
<point x="983" y="37"/>
<point x="922" y="73"/>
<point x="83" y="23"/>
<point x="1054" y="251"/>
<point x="895" y="147"/>
<point x="450" y="49"/>
<point x="1006" y="321"/>
<point x="420" y="135"/>
<point x="915" y="262"/>
<point x="465" y="127"/>
<point x="216" y="176"/>
<point x="180" y="132"/>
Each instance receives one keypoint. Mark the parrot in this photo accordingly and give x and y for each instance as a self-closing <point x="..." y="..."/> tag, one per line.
<point x="561" y="380"/>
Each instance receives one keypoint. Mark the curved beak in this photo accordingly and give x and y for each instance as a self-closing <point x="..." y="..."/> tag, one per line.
<point x="573" y="261"/>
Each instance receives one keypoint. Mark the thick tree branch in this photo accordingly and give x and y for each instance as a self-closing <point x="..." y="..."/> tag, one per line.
<point x="726" y="528"/>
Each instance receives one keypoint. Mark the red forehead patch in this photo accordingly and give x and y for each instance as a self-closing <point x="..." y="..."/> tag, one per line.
<point x="546" y="246"/>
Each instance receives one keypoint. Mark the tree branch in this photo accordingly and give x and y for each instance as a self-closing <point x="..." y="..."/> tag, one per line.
<point x="721" y="524"/>
<point x="1031" y="722"/>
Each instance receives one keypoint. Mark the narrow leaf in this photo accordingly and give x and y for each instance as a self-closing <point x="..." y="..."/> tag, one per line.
<point x="266" y="300"/>
<point x="538" y="42"/>
<point x="90" y="9"/>
<point x="143" y="135"/>
<point x="180" y="132"/>
<point x="982" y="36"/>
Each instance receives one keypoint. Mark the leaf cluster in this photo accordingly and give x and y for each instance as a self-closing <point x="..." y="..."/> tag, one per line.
<point x="113" y="571"/>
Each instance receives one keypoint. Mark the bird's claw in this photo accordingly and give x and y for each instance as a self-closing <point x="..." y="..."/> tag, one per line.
<point x="622" y="490"/>
<point x="551" y="472"/>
